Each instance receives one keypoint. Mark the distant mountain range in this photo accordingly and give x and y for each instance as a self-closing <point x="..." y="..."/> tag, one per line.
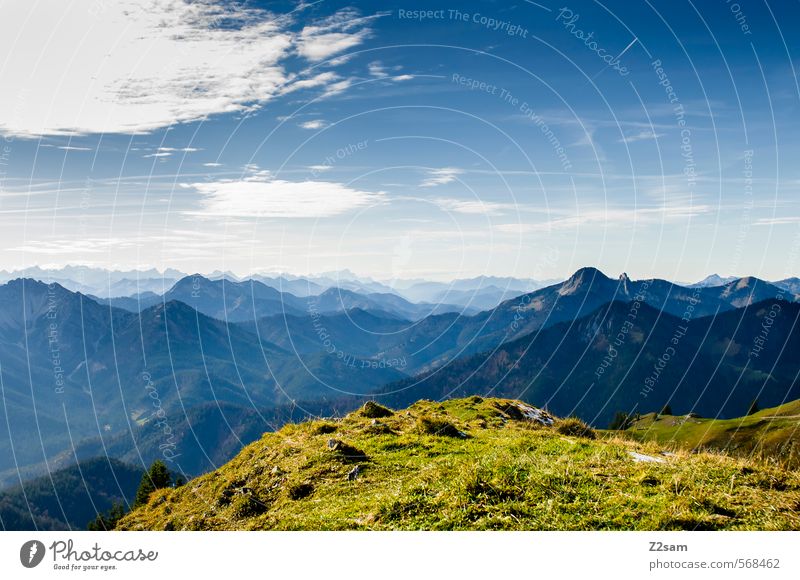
<point x="249" y="300"/>
<point x="205" y="366"/>
<point x="98" y="281"/>
<point x="130" y="283"/>
<point x="75" y="369"/>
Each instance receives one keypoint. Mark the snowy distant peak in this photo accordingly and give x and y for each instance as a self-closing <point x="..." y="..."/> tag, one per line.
<point x="98" y="281"/>
<point x="713" y="280"/>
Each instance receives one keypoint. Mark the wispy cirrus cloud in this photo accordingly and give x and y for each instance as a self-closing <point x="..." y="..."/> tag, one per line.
<point x="178" y="149"/>
<point x="778" y="221"/>
<point x="441" y="176"/>
<point x="611" y="217"/>
<point x="74" y="148"/>
<point x="74" y="246"/>
<point x="641" y="136"/>
<point x="473" y="206"/>
<point x="168" y="151"/>
<point x="299" y="82"/>
<point x="222" y="58"/>
<point x="377" y="70"/>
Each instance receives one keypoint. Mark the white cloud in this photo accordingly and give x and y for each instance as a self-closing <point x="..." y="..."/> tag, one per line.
<point x="322" y="46"/>
<point x="441" y="176"/>
<point x="333" y="35"/>
<point x="136" y="66"/>
<point x="377" y="70"/>
<point x="212" y="164"/>
<point x="184" y="242"/>
<point x="313" y="124"/>
<point x="641" y="136"/>
<point x="777" y="221"/>
<point x="474" y="207"/>
<point x="71" y="246"/>
<point x="516" y="229"/>
<point x="337" y="87"/>
<point x="339" y="60"/>
<point x="72" y="148"/>
<point x="586" y="139"/>
<point x="318" y="168"/>
<point x="318" y="80"/>
<point x="265" y="197"/>
<point x="611" y="217"/>
<point x="168" y="151"/>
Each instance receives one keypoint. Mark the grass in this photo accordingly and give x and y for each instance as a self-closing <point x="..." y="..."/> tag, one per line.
<point x="506" y="473"/>
<point x="574" y="427"/>
<point x="771" y="435"/>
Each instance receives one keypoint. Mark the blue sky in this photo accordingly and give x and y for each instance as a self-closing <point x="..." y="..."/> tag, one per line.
<point x="521" y="138"/>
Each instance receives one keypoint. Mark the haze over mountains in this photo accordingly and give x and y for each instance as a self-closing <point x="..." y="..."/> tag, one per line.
<point x="476" y="292"/>
<point x="196" y="371"/>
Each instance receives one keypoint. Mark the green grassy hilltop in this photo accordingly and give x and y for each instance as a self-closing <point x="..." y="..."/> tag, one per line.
<point x="771" y="434"/>
<point x="471" y="464"/>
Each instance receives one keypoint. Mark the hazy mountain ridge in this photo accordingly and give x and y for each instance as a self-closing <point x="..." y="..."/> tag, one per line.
<point x="68" y="499"/>
<point x="714" y="365"/>
<point x="101" y="368"/>
<point x="241" y="301"/>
